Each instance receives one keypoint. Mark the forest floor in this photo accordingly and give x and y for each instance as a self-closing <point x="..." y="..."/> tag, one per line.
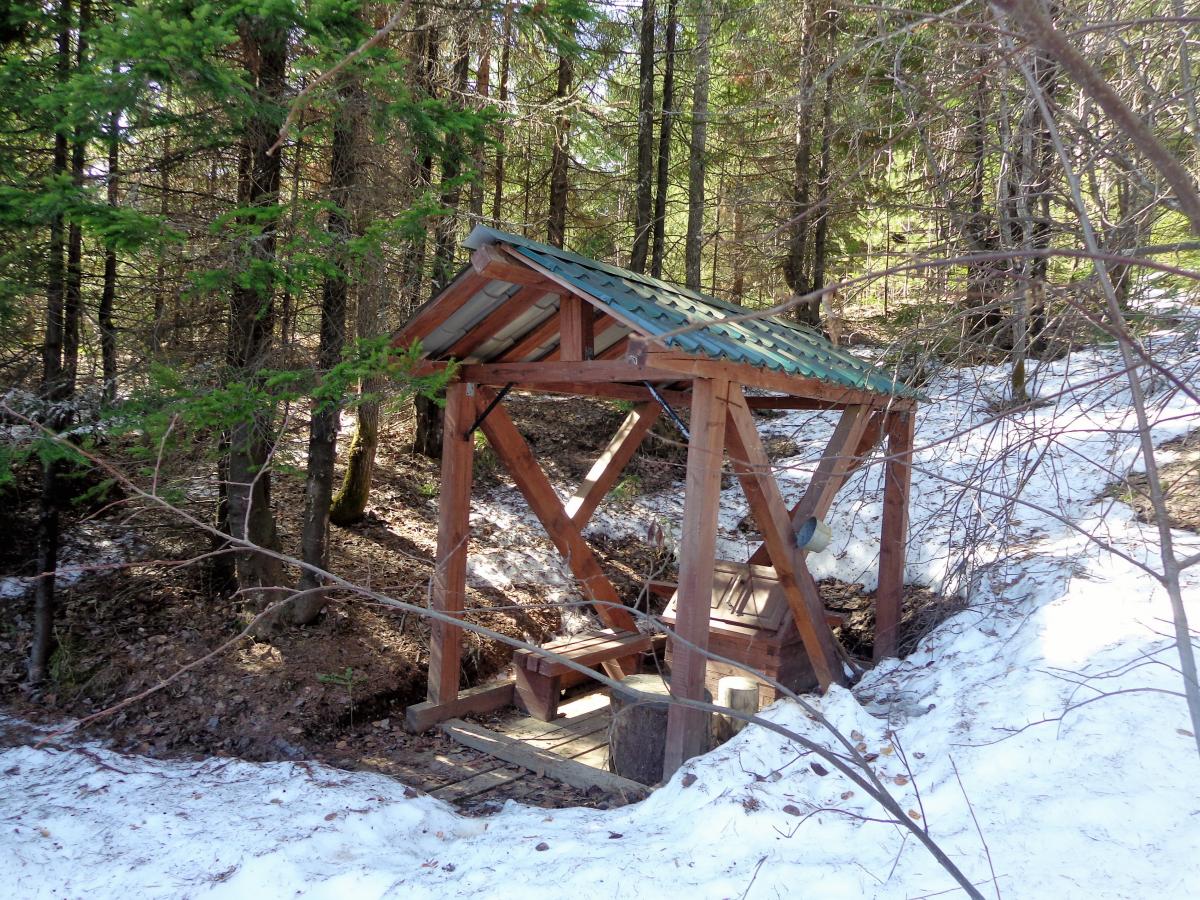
<point x="980" y="729"/>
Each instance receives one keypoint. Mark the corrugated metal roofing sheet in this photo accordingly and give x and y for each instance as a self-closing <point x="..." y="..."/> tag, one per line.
<point x="658" y="307"/>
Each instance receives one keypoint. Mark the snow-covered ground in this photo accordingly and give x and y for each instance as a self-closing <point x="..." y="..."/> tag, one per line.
<point x="970" y="730"/>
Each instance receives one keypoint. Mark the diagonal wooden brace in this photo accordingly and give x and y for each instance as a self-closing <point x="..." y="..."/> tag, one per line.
<point x="533" y="484"/>
<point x="753" y="469"/>
<point x="841" y="457"/>
<point x="608" y="467"/>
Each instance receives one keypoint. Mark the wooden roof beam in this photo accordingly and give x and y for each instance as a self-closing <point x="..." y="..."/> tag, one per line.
<point x="588" y="371"/>
<point x="493" y="264"/>
<point x="645" y="352"/>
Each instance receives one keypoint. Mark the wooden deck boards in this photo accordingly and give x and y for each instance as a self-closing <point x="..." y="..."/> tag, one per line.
<point x="572" y="749"/>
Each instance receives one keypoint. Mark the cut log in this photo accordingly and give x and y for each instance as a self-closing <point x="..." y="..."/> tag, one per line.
<point x="738" y="693"/>
<point x="637" y="732"/>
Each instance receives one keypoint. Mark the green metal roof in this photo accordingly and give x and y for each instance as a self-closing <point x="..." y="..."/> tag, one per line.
<point x="657" y="307"/>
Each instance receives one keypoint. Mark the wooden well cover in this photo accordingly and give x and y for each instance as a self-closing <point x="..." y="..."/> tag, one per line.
<point x="743" y="594"/>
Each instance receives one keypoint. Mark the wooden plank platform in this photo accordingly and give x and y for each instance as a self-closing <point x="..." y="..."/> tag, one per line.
<point x="572" y="749"/>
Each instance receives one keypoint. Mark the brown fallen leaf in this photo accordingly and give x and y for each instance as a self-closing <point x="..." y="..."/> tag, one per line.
<point x="819" y="769"/>
<point x="688" y="780"/>
<point x="900" y="780"/>
<point x="542" y="846"/>
<point x="791" y="810"/>
<point x="914" y="815"/>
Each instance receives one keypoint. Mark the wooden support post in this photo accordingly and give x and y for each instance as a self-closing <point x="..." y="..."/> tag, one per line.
<point x="576" y="317"/>
<point x="449" y="587"/>
<point x="837" y="462"/>
<point x="687" y="729"/>
<point x="533" y="484"/>
<point x="897" y="481"/>
<point x="753" y="469"/>
<point x="608" y="467"/>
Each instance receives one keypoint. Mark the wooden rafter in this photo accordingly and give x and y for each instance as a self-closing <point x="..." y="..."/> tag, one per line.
<point x="537" y="336"/>
<point x="512" y="450"/>
<point x="448" y="590"/>
<point x="753" y="468"/>
<point x="686" y="727"/>
<point x="568" y="286"/>
<point x="433" y="314"/>
<point x="897" y="482"/>
<point x="496" y="321"/>
<point x="611" y="390"/>
<point x="616" y="351"/>
<point x="611" y="462"/>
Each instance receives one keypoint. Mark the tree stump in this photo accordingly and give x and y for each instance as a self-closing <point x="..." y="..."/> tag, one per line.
<point x="736" y="692"/>
<point x="637" y="733"/>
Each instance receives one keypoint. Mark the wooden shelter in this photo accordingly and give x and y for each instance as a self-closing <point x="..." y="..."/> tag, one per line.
<point x="528" y="317"/>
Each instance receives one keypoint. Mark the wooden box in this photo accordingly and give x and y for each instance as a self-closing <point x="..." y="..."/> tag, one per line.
<point x="750" y="622"/>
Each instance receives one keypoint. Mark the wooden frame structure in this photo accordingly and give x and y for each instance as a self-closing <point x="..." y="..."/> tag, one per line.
<point x="558" y="355"/>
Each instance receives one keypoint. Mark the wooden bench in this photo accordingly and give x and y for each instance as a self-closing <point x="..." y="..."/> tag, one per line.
<point x="540" y="679"/>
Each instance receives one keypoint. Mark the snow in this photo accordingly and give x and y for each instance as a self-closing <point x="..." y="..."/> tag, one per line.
<point x="88" y="548"/>
<point x="1095" y="800"/>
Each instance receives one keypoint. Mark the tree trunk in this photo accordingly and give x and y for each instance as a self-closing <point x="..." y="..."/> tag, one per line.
<point x="452" y="170"/>
<point x="664" y="146"/>
<point x="483" y="87"/>
<point x="797" y="265"/>
<point x="161" y="291"/>
<point x="287" y="308"/>
<point x="642" y="224"/>
<point x="821" y="237"/>
<point x="52" y="389"/>
<point x="350" y="502"/>
<point x="556" y="223"/>
<point x="427" y="438"/>
<point x="425" y="51"/>
<point x="73" y="305"/>
<point x="697" y="163"/>
<point x="981" y="317"/>
<point x="505" y="49"/>
<point x="327" y="412"/>
<point x="251" y="517"/>
<point x="108" y="334"/>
